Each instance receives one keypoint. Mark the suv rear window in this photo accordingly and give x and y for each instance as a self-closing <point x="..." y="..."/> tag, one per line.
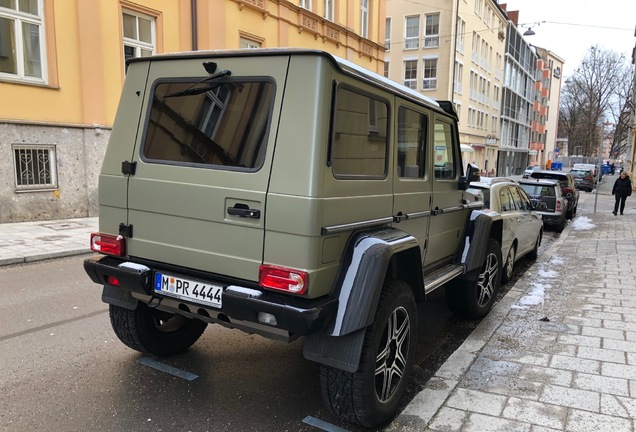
<point x="538" y="190"/>
<point x="212" y="123"/>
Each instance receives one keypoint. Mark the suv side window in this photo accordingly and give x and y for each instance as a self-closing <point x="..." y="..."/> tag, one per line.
<point x="445" y="166"/>
<point x="226" y="126"/>
<point x="411" y="143"/>
<point x="360" y="136"/>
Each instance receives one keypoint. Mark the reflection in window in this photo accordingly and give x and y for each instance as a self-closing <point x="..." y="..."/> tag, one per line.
<point x="411" y="143"/>
<point x="445" y="166"/>
<point x="139" y="35"/>
<point x="22" y="54"/>
<point x="360" y="136"/>
<point x="226" y="125"/>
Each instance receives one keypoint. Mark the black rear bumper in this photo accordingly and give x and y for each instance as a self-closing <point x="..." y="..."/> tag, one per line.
<point x="296" y="315"/>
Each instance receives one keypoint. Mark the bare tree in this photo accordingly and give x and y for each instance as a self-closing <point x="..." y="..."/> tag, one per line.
<point x="598" y="91"/>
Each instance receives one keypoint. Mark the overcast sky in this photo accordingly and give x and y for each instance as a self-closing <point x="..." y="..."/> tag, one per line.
<point x="571" y="27"/>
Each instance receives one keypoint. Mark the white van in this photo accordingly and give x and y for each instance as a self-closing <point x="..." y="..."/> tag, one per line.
<point x="595" y="169"/>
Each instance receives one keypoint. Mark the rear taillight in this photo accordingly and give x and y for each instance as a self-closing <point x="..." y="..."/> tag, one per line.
<point x="108" y="244"/>
<point x="589" y="178"/>
<point x="558" y="206"/>
<point x="283" y="279"/>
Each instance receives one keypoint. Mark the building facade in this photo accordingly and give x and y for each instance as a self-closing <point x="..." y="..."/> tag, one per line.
<point x="518" y="96"/>
<point x="453" y="51"/>
<point x="546" y="109"/>
<point x="62" y="67"/>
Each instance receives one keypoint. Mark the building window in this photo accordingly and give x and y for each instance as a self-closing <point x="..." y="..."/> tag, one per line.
<point x="410" y="73"/>
<point x="329" y="10"/>
<point x="387" y="35"/>
<point x="35" y="167"/>
<point x="429" y="82"/>
<point x="22" y="43"/>
<point x="139" y="35"/>
<point x="364" y="18"/>
<point x="412" y="37"/>
<point x="246" y="43"/>
<point x="305" y="4"/>
<point x="431" y="35"/>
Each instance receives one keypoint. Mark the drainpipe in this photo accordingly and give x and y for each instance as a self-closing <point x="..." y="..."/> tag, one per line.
<point x="452" y="96"/>
<point x="193" y="9"/>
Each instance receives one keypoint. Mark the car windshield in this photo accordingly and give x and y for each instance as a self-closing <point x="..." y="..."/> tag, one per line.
<point x="581" y="173"/>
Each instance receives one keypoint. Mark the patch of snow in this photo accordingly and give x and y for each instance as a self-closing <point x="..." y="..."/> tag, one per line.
<point x="535" y="297"/>
<point x="547" y="273"/>
<point x="582" y="223"/>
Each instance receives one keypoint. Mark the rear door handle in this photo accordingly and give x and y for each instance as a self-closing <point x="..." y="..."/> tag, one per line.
<point x="244" y="211"/>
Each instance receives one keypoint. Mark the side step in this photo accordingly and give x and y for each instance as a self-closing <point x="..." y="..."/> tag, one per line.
<point x="439" y="277"/>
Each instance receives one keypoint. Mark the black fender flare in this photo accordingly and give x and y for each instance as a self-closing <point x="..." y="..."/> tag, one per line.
<point x="367" y="261"/>
<point x="482" y="225"/>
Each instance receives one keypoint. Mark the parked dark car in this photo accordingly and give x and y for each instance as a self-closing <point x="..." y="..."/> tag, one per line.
<point x="583" y="179"/>
<point x="568" y="186"/>
<point x="549" y="192"/>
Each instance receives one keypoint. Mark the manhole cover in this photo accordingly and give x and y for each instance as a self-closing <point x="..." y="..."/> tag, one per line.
<point x="60" y="226"/>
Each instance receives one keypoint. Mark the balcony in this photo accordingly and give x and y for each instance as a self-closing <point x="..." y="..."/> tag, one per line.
<point x="536" y="146"/>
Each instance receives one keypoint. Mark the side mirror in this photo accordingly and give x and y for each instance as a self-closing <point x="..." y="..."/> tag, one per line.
<point x="472" y="175"/>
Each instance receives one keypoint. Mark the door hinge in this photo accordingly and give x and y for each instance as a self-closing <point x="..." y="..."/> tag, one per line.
<point x="126" y="230"/>
<point x="128" y="168"/>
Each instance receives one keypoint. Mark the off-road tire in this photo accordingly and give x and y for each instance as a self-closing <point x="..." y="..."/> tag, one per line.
<point x="154" y="332"/>
<point x="361" y="397"/>
<point x="534" y="253"/>
<point x="509" y="266"/>
<point x="473" y="295"/>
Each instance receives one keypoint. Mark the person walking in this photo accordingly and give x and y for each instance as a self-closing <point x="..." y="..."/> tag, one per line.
<point x="621" y="190"/>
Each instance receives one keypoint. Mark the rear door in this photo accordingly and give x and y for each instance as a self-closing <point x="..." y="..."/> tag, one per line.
<point x="203" y="158"/>
<point x="412" y="184"/>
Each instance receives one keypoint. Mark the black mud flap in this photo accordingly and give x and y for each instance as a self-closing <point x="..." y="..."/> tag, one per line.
<point x="341" y="352"/>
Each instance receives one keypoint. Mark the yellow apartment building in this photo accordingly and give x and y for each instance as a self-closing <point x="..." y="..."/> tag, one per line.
<point x="453" y="50"/>
<point x="62" y="67"/>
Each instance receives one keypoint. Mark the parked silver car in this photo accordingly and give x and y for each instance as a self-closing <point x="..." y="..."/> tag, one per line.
<point x="522" y="224"/>
<point x="549" y="192"/>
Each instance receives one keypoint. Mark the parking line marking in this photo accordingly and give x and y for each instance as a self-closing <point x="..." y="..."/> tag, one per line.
<point x="321" y="424"/>
<point x="147" y="361"/>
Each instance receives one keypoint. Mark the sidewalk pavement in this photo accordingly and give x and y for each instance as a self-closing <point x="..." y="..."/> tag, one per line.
<point x="558" y="352"/>
<point x="36" y="241"/>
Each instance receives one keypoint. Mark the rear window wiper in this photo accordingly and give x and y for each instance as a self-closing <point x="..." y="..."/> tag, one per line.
<point x="193" y="90"/>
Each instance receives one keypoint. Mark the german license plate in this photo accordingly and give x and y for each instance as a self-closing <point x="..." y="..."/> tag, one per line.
<point x="188" y="289"/>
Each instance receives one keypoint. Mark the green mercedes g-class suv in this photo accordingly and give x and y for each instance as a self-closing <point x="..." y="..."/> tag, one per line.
<point x="289" y="193"/>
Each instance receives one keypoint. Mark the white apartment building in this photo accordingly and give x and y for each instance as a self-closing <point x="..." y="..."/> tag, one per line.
<point x="453" y="50"/>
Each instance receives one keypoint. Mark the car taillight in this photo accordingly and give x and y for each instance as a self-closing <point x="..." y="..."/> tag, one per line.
<point x="283" y="279"/>
<point x="558" y="206"/>
<point x="108" y="244"/>
<point x="589" y="178"/>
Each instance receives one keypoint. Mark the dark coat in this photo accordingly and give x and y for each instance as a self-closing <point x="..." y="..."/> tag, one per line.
<point x="622" y="187"/>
